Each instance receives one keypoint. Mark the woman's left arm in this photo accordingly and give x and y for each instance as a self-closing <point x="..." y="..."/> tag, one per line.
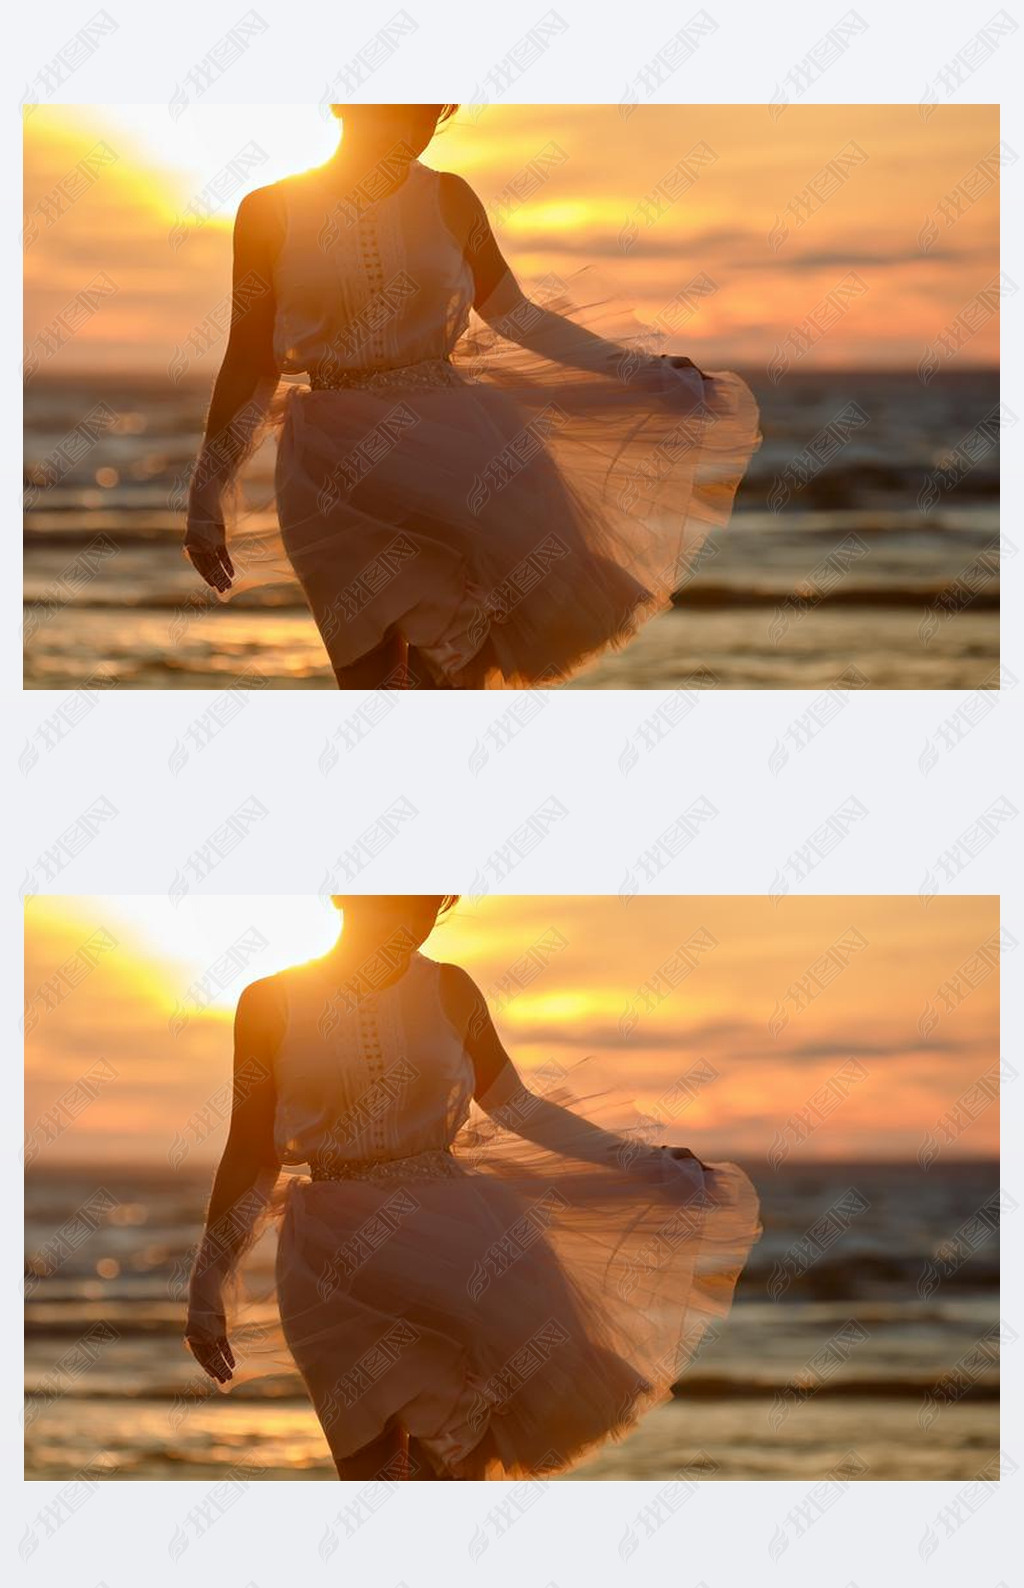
<point x="501" y="303"/>
<point x="502" y="1094"/>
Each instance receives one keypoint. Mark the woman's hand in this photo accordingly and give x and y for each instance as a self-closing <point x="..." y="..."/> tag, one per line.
<point x="211" y="1350"/>
<point x="684" y="1152"/>
<point x="207" y="549"/>
<point x="683" y="363"/>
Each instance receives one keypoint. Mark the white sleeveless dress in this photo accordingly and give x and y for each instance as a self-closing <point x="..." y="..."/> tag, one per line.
<point x="510" y="512"/>
<point x="508" y="1305"/>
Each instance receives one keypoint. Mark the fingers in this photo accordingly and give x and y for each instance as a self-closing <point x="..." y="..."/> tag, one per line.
<point x="208" y="565"/>
<point x="687" y="363"/>
<point x="684" y="1152"/>
<point x="215" y="1357"/>
<point x="215" y="1364"/>
<point x="213" y="564"/>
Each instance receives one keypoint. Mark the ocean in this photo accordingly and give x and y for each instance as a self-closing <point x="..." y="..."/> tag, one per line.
<point x="863" y="1339"/>
<point x="863" y="553"/>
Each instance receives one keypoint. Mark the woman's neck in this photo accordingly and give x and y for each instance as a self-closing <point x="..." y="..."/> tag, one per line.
<point x="371" y="964"/>
<point x="379" y="173"/>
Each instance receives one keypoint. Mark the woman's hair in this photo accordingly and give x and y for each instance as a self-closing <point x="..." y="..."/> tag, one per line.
<point x="444" y="112"/>
<point x="448" y="901"/>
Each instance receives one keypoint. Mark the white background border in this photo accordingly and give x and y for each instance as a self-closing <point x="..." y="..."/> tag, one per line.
<point x="466" y="815"/>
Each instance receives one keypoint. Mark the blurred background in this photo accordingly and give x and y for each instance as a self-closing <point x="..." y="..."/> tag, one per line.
<point x="844" y="259"/>
<point x="843" y="1050"/>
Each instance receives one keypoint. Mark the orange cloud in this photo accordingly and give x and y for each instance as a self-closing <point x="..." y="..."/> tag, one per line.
<point x="729" y="1017"/>
<point x="772" y="213"/>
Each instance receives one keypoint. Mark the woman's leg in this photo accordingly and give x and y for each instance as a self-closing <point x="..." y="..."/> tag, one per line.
<point x="386" y="1457"/>
<point x="420" y="675"/>
<point x="385" y="667"/>
<point x="420" y="1466"/>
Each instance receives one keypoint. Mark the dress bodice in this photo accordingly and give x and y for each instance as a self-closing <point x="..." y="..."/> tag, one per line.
<point x="387" y="1076"/>
<point x="367" y="284"/>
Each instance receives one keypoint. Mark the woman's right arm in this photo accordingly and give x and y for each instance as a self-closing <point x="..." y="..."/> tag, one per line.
<point x="246" y="1175"/>
<point x="247" y="375"/>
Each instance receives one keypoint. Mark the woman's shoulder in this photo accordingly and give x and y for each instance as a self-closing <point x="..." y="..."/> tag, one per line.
<point x="456" y="188"/>
<point x="451" y="975"/>
<point x="460" y="205"/>
<point x="262" y="996"/>
<point x="460" y="994"/>
<point x="262" y="211"/>
<point x="261" y="1017"/>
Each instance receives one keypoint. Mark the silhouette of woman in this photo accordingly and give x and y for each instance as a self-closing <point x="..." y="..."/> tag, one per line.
<point x="490" y="510"/>
<point x="485" y="1300"/>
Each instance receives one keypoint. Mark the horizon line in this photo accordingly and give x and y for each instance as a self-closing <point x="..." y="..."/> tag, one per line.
<point x="147" y="1166"/>
<point x="104" y="372"/>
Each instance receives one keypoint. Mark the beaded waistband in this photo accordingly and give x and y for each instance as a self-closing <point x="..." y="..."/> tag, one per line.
<point x="436" y="1164"/>
<point x="432" y="372"/>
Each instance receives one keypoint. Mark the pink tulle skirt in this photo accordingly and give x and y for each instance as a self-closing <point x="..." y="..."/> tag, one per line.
<point x="509" y="516"/>
<point x="507" y="1307"/>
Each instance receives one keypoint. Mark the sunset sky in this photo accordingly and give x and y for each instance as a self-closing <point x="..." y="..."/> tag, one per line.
<point x="133" y="208"/>
<point x="135" y="994"/>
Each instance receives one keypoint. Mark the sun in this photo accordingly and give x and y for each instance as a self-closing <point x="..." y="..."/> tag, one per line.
<point x="197" y="152"/>
<point x="222" y="941"/>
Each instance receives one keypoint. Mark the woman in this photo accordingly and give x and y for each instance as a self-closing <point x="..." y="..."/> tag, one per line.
<point x="461" y="512"/>
<point x="485" y="1302"/>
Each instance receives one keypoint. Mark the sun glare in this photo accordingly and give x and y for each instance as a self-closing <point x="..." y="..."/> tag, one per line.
<point x="562" y="1006"/>
<point x="253" y="935"/>
<point x="199" y="151"/>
